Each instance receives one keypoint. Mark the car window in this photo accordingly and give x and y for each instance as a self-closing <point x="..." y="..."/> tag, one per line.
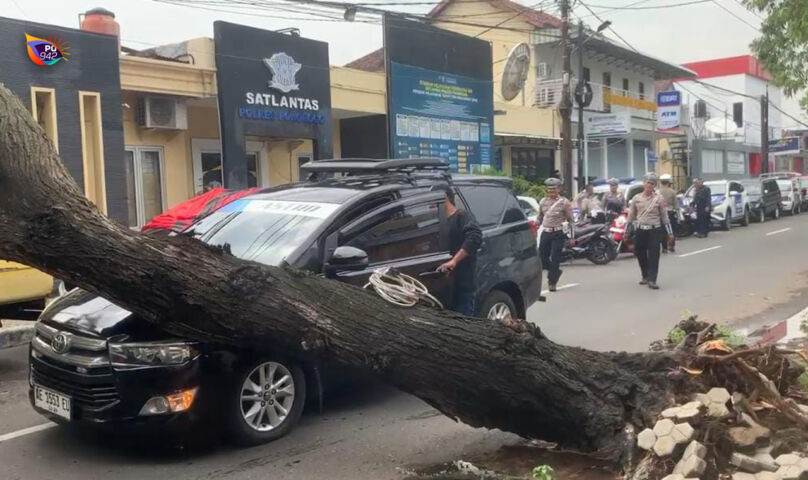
<point x="486" y="203"/>
<point x="513" y="211"/>
<point x="527" y="208"/>
<point x="735" y="187"/>
<point x="407" y="232"/>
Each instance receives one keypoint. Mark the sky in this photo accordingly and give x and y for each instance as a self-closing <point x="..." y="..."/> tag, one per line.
<point x="688" y="33"/>
<point x="699" y="31"/>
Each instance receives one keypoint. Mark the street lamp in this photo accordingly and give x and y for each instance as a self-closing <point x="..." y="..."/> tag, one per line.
<point x="583" y="96"/>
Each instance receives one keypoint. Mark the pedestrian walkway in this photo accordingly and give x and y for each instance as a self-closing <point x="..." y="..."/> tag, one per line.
<point x="15" y="332"/>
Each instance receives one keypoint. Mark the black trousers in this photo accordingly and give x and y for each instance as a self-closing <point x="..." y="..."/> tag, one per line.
<point x="646" y="249"/>
<point x="550" y="247"/>
<point x="702" y="221"/>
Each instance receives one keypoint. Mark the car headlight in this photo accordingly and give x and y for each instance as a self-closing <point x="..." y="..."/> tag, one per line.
<point x="151" y="354"/>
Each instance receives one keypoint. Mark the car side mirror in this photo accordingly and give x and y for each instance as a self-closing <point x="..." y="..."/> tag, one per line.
<point x="346" y="258"/>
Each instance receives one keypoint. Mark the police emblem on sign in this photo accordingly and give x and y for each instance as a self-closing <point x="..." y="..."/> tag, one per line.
<point x="283" y="68"/>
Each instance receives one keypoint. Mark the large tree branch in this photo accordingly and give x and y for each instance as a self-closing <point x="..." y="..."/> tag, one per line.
<point x="477" y="371"/>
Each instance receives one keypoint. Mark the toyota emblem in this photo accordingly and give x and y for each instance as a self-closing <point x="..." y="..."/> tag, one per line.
<point x="60" y="343"/>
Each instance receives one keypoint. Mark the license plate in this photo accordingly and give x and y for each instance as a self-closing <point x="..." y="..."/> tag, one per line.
<point x="51" y="401"/>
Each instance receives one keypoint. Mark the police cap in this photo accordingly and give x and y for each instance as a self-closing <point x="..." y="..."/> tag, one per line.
<point x="651" y="177"/>
<point x="613" y="181"/>
<point x="552" y="182"/>
<point x="665" y="178"/>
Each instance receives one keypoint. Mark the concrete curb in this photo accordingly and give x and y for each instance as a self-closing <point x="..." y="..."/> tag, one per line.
<point x="14" y="336"/>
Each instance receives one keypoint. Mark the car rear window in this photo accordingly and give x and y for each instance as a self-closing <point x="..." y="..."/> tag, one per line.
<point x="486" y="203"/>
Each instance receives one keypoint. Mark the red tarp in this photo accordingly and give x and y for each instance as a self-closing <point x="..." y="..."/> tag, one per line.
<point x="187" y="212"/>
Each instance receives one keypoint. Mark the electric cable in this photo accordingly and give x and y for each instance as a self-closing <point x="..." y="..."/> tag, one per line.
<point x="400" y="289"/>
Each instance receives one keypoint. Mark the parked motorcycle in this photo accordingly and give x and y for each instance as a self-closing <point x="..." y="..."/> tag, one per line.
<point x="617" y="232"/>
<point x="591" y="241"/>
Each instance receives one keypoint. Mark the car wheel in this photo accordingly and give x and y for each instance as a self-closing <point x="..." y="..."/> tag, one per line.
<point x="264" y="402"/>
<point x="727" y="221"/>
<point x="745" y="221"/>
<point x="498" y="305"/>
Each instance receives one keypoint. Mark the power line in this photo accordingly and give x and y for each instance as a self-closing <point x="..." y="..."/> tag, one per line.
<point x="517" y="14"/>
<point x="739" y="2"/>
<point x="609" y="9"/>
<point x="650" y="7"/>
<point x="776" y="107"/>
<point x="610" y="27"/>
<point x="736" y="15"/>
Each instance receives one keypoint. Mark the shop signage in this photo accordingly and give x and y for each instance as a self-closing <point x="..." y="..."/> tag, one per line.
<point x="612" y="98"/>
<point x="669" y="110"/>
<point x="271" y="85"/>
<point x="785" y="146"/>
<point x="440" y="95"/>
<point x="607" y="124"/>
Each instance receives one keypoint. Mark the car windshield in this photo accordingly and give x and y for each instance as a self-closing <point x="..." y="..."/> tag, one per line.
<point x="716" y="189"/>
<point x="265" y="231"/>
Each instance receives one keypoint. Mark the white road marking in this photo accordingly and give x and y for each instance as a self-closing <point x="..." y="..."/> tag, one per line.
<point x="562" y="287"/>
<point x="778" y="231"/>
<point x="700" y="251"/>
<point x="26" y="431"/>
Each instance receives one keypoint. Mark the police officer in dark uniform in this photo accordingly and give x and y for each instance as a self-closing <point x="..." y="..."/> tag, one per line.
<point x="553" y="211"/>
<point x="703" y="203"/>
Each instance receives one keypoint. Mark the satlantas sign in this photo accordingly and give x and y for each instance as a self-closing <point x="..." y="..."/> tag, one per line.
<point x="284" y="69"/>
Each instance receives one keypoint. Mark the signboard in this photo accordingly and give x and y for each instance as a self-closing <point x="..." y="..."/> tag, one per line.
<point x="785" y="146"/>
<point x="270" y="85"/>
<point x="669" y="110"/>
<point x="736" y="163"/>
<point x="607" y="124"/>
<point x="440" y="95"/>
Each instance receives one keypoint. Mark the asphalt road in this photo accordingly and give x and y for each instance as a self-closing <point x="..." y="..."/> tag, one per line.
<point x="746" y="277"/>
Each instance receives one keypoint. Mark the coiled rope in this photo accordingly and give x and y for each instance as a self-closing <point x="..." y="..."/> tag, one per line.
<point x="400" y="289"/>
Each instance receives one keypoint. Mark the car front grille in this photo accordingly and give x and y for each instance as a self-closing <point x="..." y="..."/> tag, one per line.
<point x="81" y="370"/>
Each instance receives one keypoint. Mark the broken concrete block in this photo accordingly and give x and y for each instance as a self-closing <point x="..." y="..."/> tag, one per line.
<point x="682" y="432"/>
<point x="697" y="404"/>
<point x="646" y="439"/>
<point x="685" y="414"/>
<point x="693" y="466"/>
<point x="743" y="438"/>
<point x="670" y="412"/>
<point x="695" y="449"/>
<point x="751" y="465"/>
<point x="663" y="427"/>
<point x="718" y="395"/>
<point x="716" y="401"/>
<point x="790" y="472"/>
<point x="664" y="446"/>
<point x="787" y="459"/>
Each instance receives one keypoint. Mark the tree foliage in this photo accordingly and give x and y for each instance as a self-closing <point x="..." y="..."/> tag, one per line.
<point x="783" y="44"/>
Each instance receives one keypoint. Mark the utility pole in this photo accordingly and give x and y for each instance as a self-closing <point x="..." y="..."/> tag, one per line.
<point x="764" y="132"/>
<point x="565" y="107"/>
<point x="582" y="180"/>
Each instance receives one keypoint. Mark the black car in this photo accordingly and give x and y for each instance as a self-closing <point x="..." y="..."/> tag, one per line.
<point x="93" y="362"/>
<point x="764" y="198"/>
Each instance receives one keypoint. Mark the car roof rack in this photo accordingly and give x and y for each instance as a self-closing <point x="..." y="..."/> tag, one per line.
<point x="780" y="175"/>
<point x="371" y="166"/>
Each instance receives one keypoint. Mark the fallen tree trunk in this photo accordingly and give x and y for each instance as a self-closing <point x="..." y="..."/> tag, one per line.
<point x="479" y="372"/>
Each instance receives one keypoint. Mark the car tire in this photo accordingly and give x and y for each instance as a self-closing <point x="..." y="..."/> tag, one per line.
<point x="727" y="221"/>
<point x="245" y="429"/>
<point x="745" y="221"/>
<point x="498" y="305"/>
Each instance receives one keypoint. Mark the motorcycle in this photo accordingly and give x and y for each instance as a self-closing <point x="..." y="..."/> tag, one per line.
<point x="617" y="232"/>
<point x="591" y="241"/>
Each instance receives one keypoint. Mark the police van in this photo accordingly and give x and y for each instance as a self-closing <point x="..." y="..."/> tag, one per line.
<point x="730" y="202"/>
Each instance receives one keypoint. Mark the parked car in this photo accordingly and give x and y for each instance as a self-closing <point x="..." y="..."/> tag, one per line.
<point x="791" y="195"/>
<point x="804" y="191"/>
<point x="730" y="202"/>
<point x="94" y="363"/>
<point x="530" y="206"/>
<point x="764" y="198"/>
<point x="627" y="187"/>
<point x="23" y="290"/>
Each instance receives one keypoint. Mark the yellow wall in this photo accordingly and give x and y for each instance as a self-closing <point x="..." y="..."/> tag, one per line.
<point x="358" y="91"/>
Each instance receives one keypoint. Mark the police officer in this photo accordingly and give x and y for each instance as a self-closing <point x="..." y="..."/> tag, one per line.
<point x="647" y="209"/>
<point x="613" y="201"/>
<point x="669" y="195"/>
<point x="553" y="210"/>
<point x="702" y="202"/>
<point x="586" y="200"/>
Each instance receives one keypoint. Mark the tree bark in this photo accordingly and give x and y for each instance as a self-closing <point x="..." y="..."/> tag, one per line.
<point x="479" y="372"/>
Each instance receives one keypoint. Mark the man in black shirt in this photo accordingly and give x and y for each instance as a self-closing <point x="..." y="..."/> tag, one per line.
<point x="465" y="238"/>
<point x="703" y="203"/>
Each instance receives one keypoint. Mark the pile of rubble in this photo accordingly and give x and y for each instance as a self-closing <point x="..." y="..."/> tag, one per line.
<point x="712" y="437"/>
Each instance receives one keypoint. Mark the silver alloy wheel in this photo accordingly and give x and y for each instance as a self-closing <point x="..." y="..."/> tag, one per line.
<point x="500" y="311"/>
<point x="267" y="396"/>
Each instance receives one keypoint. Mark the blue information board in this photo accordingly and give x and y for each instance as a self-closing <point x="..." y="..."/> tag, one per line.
<point x="437" y="114"/>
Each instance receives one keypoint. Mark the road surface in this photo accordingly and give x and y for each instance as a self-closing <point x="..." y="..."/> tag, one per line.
<point x="742" y="277"/>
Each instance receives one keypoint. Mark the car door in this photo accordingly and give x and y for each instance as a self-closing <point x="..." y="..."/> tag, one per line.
<point x="736" y="199"/>
<point x="410" y="235"/>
